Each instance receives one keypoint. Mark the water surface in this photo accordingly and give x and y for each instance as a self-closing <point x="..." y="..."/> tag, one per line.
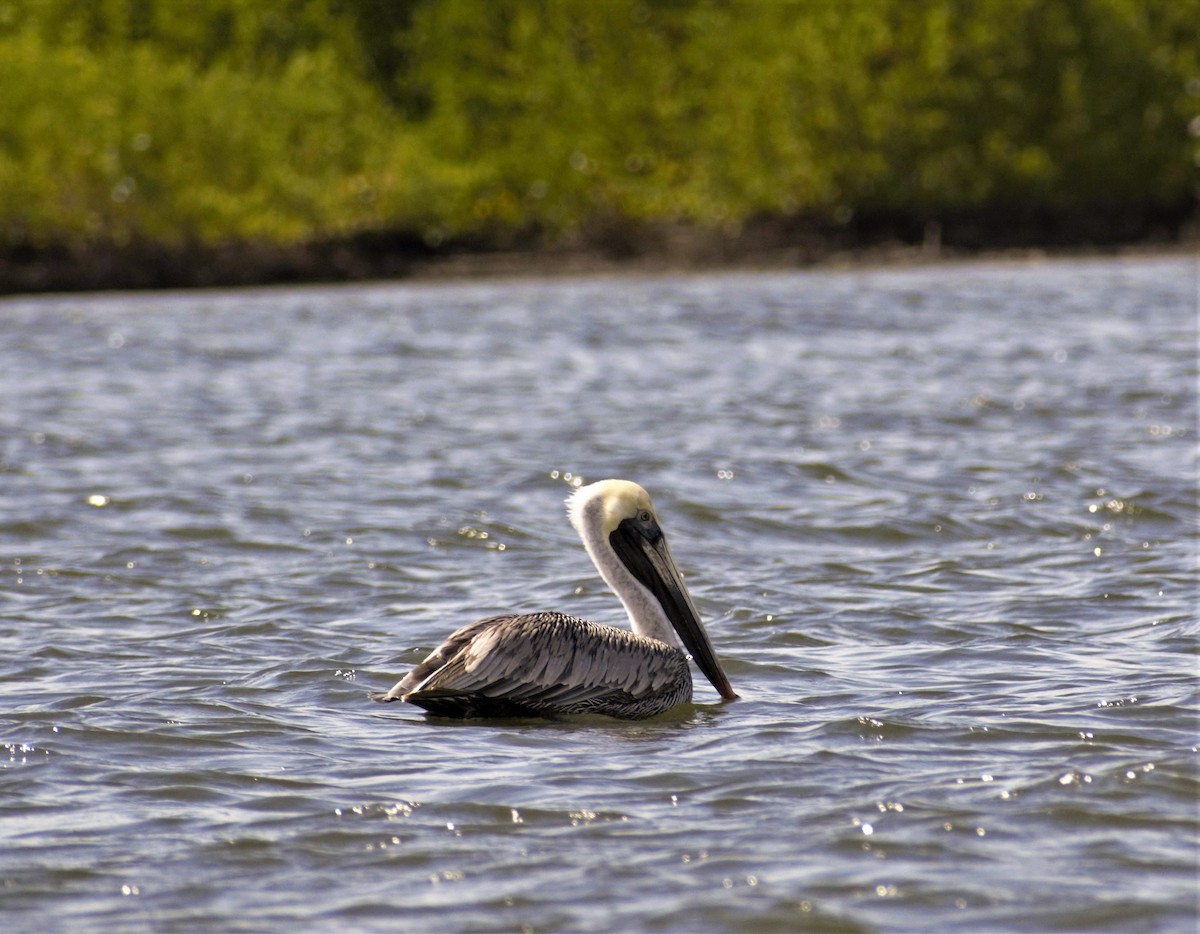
<point x="941" y="523"/>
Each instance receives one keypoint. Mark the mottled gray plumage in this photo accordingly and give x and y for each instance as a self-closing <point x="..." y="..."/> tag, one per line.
<point x="551" y="664"/>
<point x="541" y="664"/>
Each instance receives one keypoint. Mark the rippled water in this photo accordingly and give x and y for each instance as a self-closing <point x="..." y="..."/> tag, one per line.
<point x="942" y="523"/>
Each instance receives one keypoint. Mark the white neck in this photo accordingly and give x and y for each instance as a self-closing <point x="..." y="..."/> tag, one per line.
<point x="646" y="616"/>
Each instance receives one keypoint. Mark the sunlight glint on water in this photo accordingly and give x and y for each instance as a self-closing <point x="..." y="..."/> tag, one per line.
<point x="941" y="523"/>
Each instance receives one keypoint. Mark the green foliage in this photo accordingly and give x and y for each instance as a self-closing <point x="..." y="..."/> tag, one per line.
<point x="715" y="111"/>
<point x="285" y="120"/>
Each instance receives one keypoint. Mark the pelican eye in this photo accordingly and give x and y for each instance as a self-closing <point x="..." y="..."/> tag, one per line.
<point x="645" y="516"/>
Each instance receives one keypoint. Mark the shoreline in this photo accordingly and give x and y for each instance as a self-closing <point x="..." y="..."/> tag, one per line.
<point x="770" y="244"/>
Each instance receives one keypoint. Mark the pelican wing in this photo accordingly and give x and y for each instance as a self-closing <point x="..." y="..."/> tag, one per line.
<point x="545" y="663"/>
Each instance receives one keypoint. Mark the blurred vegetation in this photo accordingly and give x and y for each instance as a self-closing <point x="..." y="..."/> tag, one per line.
<point x="287" y="120"/>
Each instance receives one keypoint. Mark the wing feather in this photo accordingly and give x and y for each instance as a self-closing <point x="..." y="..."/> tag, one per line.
<point x="545" y="663"/>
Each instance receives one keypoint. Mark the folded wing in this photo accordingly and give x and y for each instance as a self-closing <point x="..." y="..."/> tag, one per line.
<point x="540" y="663"/>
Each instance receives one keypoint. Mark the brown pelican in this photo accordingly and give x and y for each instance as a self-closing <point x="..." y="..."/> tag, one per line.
<point x="550" y="664"/>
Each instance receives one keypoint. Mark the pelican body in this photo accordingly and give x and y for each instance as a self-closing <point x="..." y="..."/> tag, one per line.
<point x="551" y="664"/>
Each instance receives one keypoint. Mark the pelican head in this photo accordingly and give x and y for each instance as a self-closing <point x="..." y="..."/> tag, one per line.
<point x="620" y="531"/>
